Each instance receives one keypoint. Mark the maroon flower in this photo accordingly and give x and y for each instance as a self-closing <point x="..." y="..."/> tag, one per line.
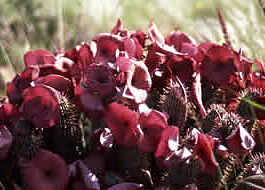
<point x="96" y="88"/>
<point x="123" y="124"/>
<point x="38" y="57"/>
<point x="133" y="47"/>
<point x="154" y="59"/>
<point x="181" y="43"/>
<point x="158" y="41"/>
<point x="138" y="80"/>
<point x="85" y="55"/>
<point x="218" y="65"/>
<point x="57" y="82"/>
<point x="41" y="103"/>
<point x="21" y="82"/>
<point x="184" y="67"/>
<point x="107" y="45"/>
<point x="99" y="80"/>
<point x="88" y="103"/>
<point x="258" y="77"/>
<point x="203" y="149"/>
<point x="7" y="112"/>
<point x="168" y="143"/>
<point x="45" y="171"/>
<point x="140" y="36"/>
<point x="240" y="141"/>
<point x="152" y="126"/>
<point x="26" y="77"/>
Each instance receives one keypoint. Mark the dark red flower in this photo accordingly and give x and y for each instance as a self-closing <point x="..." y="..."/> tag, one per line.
<point x="184" y="67"/>
<point x="27" y="76"/>
<point x="21" y="82"/>
<point x="133" y="47"/>
<point x="63" y="66"/>
<point x="168" y="144"/>
<point x="41" y="103"/>
<point x="88" y="103"/>
<point x="123" y="124"/>
<point x="45" y="171"/>
<point x="57" y="82"/>
<point x="203" y="149"/>
<point x="85" y="55"/>
<point x="99" y="80"/>
<point x="38" y="57"/>
<point x="154" y="59"/>
<point x="107" y="45"/>
<point x="240" y="141"/>
<point x="158" y="41"/>
<point x="163" y="148"/>
<point x="7" y="112"/>
<point x="138" y="80"/>
<point x="140" y="36"/>
<point x="181" y="43"/>
<point x="218" y="65"/>
<point x="152" y="126"/>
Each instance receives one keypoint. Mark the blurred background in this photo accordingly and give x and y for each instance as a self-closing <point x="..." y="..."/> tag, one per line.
<point x="34" y="24"/>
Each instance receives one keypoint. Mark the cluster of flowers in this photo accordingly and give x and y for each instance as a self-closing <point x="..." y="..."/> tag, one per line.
<point x="163" y="112"/>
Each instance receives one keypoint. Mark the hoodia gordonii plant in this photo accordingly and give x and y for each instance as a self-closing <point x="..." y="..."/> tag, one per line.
<point x="134" y="110"/>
